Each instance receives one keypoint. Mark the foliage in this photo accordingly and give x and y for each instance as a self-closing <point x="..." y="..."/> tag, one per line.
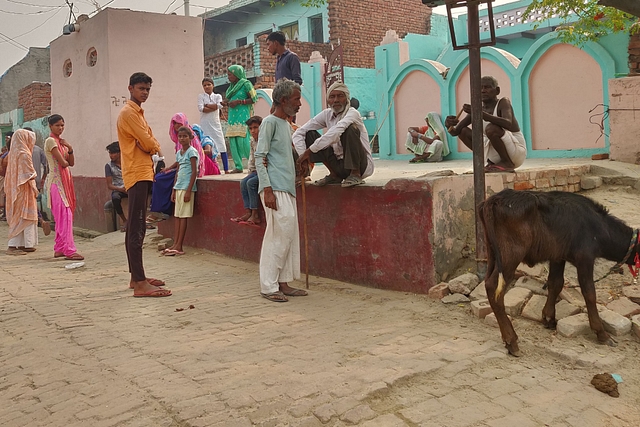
<point x="582" y="20"/>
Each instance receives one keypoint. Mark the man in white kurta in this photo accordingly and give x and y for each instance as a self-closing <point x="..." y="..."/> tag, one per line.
<point x="280" y="254"/>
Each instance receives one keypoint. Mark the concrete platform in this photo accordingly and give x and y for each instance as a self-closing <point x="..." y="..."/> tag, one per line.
<point x="402" y="230"/>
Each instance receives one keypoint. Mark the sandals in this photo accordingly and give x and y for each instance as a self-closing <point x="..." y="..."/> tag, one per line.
<point x="15" y="251"/>
<point x="275" y="297"/>
<point x="294" y="292"/>
<point x="250" y="224"/>
<point x="352" y="181"/>
<point x="327" y="180"/>
<point x="74" y="257"/>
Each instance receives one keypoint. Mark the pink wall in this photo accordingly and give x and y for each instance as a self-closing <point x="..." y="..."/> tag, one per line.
<point x="167" y="47"/>
<point x="412" y="106"/>
<point x="564" y="76"/>
<point x="463" y="96"/>
<point x="624" y="98"/>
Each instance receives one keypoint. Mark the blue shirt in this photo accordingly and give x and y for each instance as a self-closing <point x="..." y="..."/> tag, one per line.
<point x="274" y="144"/>
<point x="184" y="169"/>
<point x="288" y="65"/>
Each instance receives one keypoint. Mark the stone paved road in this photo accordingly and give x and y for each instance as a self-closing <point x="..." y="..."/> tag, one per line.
<point x="78" y="350"/>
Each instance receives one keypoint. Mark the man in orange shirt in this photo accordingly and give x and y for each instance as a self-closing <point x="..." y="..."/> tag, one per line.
<point x="137" y="145"/>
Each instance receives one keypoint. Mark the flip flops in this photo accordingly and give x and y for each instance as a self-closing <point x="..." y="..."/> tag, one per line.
<point x="352" y="181"/>
<point x="156" y="293"/>
<point x="327" y="180"/>
<point x="172" y="252"/>
<point x="294" y="292"/>
<point x="497" y="168"/>
<point x="275" y="297"/>
<point x="74" y="257"/>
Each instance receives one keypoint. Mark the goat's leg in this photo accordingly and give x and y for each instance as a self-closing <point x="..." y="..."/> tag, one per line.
<point x="506" y="328"/>
<point x="555" y="282"/>
<point x="588" y="288"/>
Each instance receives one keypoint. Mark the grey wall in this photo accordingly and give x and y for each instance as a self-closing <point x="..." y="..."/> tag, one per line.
<point x="34" y="67"/>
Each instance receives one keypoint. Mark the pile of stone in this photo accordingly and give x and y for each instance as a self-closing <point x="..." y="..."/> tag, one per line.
<point x="527" y="299"/>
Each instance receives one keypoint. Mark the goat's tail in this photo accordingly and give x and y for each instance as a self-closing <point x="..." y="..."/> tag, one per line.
<point x="487" y="210"/>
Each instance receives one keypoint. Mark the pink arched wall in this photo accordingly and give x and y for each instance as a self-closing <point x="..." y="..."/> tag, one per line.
<point x="564" y="85"/>
<point x="463" y="96"/>
<point x="417" y="95"/>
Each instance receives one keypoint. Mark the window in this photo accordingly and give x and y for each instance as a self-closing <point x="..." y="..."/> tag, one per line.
<point x="241" y="42"/>
<point x="92" y="57"/>
<point x="291" y="31"/>
<point x="315" y="29"/>
<point x="67" y="68"/>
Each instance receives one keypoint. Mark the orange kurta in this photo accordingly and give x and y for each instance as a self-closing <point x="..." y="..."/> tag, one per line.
<point x="137" y="145"/>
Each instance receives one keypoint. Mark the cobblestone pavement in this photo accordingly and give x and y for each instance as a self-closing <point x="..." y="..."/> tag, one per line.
<point x="78" y="350"/>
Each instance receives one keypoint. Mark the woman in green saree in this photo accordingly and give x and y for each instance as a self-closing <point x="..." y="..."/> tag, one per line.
<point x="240" y="99"/>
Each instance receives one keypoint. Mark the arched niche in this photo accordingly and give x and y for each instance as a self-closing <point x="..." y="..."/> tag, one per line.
<point x="565" y="83"/>
<point x="415" y="96"/>
<point x="463" y="95"/>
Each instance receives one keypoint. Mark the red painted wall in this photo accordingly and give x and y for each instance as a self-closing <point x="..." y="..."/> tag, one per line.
<point x="374" y="236"/>
<point x="91" y="195"/>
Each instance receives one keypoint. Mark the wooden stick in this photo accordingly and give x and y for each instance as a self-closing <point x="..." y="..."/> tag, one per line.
<point x="451" y="128"/>
<point x="304" y="225"/>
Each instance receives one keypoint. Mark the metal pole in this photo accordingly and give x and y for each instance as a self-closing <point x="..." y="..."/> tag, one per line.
<point x="475" y="76"/>
<point x="186" y="7"/>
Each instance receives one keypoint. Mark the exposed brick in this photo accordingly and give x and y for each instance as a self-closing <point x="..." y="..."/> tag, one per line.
<point x="522" y="185"/>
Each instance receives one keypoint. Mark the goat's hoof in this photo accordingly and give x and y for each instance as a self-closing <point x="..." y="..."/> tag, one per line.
<point x="549" y="324"/>
<point x="513" y="349"/>
<point x="611" y="342"/>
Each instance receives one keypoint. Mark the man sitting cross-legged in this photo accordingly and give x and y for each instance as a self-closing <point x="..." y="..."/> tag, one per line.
<point x="344" y="147"/>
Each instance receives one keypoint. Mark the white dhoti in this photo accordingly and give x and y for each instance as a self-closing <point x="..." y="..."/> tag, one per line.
<point x="515" y="145"/>
<point x="27" y="238"/>
<point x="280" y="253"/>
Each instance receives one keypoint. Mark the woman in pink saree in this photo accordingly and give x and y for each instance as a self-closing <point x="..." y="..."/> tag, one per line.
<point x="59" y="187"/>
<point x="21" y="191"/>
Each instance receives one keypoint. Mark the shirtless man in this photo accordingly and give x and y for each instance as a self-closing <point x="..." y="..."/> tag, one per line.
<point x="504" y="146"/>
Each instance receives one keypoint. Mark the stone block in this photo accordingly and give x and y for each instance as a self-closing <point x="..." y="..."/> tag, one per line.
<point x="515" y="299"/>
<point x="454" y="299"/>
<point x="536" y="270"/>
<point x="480" y="292"/>
<point x="491" y="320"/>
<point x="588" y="182"/>
<point x="573" y="326"/>
<point x="615" y="323"/>
<point x="481" y="308"/>
<point x="439" y="291"/>
<point x="573" y="296"/>
<point x="632" y="292"/>
<point x="533" y="309"/>
<point x="624" y="306"/>
<point x="566" y="309"/>
<point x="533" y="285"/>
<point x="635" y="325"/>
<point x="467" y="280"/>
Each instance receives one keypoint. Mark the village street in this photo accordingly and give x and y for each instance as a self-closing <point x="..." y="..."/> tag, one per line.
<point x="77" y="350"/>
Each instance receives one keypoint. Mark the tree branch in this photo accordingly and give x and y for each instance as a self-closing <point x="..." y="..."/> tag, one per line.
<point x="631" y="7"/>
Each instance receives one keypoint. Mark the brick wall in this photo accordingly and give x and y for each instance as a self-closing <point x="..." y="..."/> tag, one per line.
<point x="360" y="25"/>
<point x="634" y="55"/>
<point x="547" y="179"/>
<point x="35" y="100"/>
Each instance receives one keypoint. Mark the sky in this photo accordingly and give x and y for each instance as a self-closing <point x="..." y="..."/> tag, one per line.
<point x="35" y="23"/>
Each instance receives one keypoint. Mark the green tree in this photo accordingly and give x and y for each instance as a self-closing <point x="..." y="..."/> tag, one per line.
<point x="587" y="20"/>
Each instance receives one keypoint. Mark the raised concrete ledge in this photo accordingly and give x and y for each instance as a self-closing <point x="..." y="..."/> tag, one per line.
<point x="401" y="230"/>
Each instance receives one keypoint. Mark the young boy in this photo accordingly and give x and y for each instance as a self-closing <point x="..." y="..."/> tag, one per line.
<point x="209" y="105"/>
<point x="183" y="189"/>
<point x="249" y="185"/>
<point x="115" y="183"/>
